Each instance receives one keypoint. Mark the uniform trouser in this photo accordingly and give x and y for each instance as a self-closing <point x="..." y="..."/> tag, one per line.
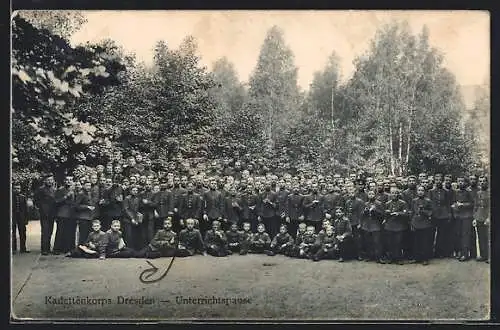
<point x="483" y="236"/>
<point x="407" y="244"/>
<point x="158" y="223"/>
<point x="78" y="253"/>
<point x="293" y="226"/>
<point x="234" y="248"/>
<point x="259" y="247"/>
<point x="176" y="226"/>
<point x="473" y="247"/>
<point x="147" y="232"/>
<point x="84" y="227"/>
<point x="217" y="250"/>
<point x="393" y="245"/>
<point x="65" y="235"/>
<point x="372" y="240"/>
<point x="18" y="225"/>
<point x="148" y="252"/>
<point x="132" y="235"/>
<point x="272" y="225"/>
<point x="123" y="253"/>
<point x="330" y="253"/>
<point x="444" y="237"/>
<point x="465" y="232"/>
<point x="423" y="243"/>
<point x="185" y="253"/>
<point x="357" y="237"/>
<point x="282" y="250"/>
<point x="205" y="225"/>
<point x="47" y="228"/>
<point x="106" y="222"/>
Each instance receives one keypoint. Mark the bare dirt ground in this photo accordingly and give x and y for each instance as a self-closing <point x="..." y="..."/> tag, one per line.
<point x="272" y="288"/>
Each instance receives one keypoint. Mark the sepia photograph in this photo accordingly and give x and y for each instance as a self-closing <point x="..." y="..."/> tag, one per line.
<point x="253" y="165"/>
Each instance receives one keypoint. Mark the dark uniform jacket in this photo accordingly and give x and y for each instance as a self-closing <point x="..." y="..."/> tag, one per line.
<point x="45" y="201"/>
<point x="112" y="241"/>
<point x="99" y="239"/>
<point x="177" y="193"/>
<point x="112" y="206"/>
<point x="82" y="201"/>
<point x="327" y="242"/>
<point x="281" y="239"/>
<point x="421" y="212"/>
<point x="313" y="211"/>
<point x="164" y="240"/>
<point x="397" y="222"/>
<point x="382" y="197"/>
<point x="465" y="211"/>
<point x="409" y="195"/>
<point x="361" y="194"/>
<point x="232" y="213"/>
<point x="295" y="206"/>
<point x="282" y="201"/>
<point x="19" y="208"/>
<point x="268" y="209"/>
<point x="353" y="209"/>
<point x="64" y="203"/>
<point x="441" y="202"/>
<point x="245" y="237"/>
<point x="217" y="238"/>
<point x="233" y="236"/>
<point x="342" y="226"/>
<point x="147" y="209"/>
<point x="214" y="204"/>
<point x="191" y="240"/>
<point x="165" y="204"/>
<point x="190" y="206"/>
<point x="248" y="203"/>
<point x="482" y="206"/>
<point x="261" y="239"/>
<point x="373" y="213"/>
<point x="307" y="240"/>
<point x="131" y="208"/>
<point x="331" y="201"/>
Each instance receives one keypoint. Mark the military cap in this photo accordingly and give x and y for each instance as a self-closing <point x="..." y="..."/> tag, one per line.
<point x="412" y="177"/>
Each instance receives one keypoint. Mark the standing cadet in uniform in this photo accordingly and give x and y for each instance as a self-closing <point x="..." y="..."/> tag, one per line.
<point x="395" y="223"/>
<point x="482" y="218"/>
<point x="213" y="207"/>
<point x="147" y="208"/>
<point x="295" y="212"/>
<point x="463" y="206"/>
<point x="282" y="201"/>
<point x="177" y="192"/>
<point x="232" y="209"/>
<point x="422" y="227"/>
<point x="130" y="220"/>
<point x="441" y="214"/>
<point x="19" y="218"/>
<point x="45" y="201"/>
<point x="354" y="208"/>
<point x="268" y="210"/>
<point x="66" y="223"/>
<point x="313" y="208"/>
<point x="473" y="188"/>
<point x="408" y="196"/>
<point x="190" y="205"/>
<point x="371" y="224"/>
<point x="84" y="211"/>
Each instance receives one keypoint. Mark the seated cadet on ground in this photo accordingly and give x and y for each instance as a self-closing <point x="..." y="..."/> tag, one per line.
<point x="307" y="244"/>
<point x="216" y="240"/>
<point x="233" y="239"/>
<point x="260" y="240"/>
<point x="94" y="246"/>
<point x="245" y="238"/>
<point x="282" y="243"/>
<point x="115" y="245"/>
<point x="326" y="223"/>
<point x="190" y="241"/>
<point x="328" y="248"/>
<point x="163" y="244"/>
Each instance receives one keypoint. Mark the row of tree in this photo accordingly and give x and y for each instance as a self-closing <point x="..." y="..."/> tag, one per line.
<point x="400" y="113"/>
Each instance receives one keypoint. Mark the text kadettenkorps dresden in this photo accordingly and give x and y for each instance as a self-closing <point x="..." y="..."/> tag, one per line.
<point x="86" y="300"/>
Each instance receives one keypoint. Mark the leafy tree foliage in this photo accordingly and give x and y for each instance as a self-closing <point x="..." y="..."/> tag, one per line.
<point x="49" y="78"/>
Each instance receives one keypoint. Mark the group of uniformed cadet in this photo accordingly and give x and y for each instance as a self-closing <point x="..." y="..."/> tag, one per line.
<point x="129" y="210"/>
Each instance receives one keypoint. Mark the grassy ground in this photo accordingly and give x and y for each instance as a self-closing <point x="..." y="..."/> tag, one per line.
<point x="274" y="288"/>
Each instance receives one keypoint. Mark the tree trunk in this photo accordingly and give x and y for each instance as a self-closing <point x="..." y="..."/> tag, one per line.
<point x="408" y="145"/>
<point x="390" y="146"/>
<point x="400" y="148"/>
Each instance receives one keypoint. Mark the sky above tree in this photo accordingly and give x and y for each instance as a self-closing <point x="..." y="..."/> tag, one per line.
<point x="463" y="36"/>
